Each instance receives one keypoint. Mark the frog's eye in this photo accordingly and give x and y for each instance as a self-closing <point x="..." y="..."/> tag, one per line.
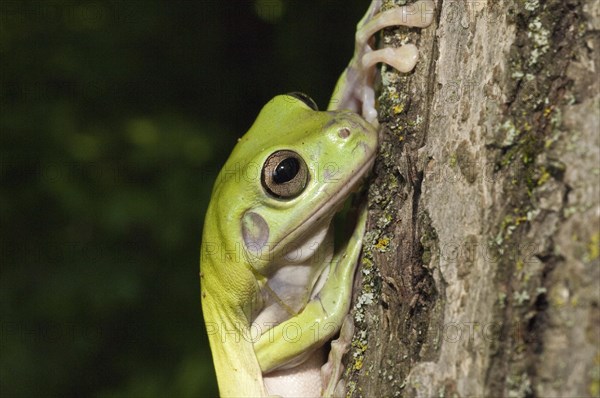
<point x="284" y="174"/>
<point x="306" y="99"/>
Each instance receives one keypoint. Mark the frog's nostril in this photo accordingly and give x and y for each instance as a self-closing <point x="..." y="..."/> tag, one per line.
<point x="344" y="132"/>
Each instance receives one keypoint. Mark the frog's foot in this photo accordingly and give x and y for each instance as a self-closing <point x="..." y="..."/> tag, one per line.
<point x="354" y="90"/>
<point x="419" y="15"/>
<point x="331" y="372"/>
<point x="403" y="59"/>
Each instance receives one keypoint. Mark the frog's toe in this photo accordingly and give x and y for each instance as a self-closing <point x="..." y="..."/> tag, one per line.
<point x="403" y="58"/>
<point x="331" y="372"/>
<point x="340" y="389"/>
<point x="419" y="15"/>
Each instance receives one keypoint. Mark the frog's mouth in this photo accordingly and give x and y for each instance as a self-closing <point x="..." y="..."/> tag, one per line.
<point x="335" y="204"/>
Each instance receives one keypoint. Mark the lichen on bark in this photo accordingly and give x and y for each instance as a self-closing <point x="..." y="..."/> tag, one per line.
<point x="480" y="269"/>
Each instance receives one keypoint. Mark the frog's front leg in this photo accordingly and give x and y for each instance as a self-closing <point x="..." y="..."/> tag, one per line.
<point x="297" y="339"/>
<point x="354" y="89"/>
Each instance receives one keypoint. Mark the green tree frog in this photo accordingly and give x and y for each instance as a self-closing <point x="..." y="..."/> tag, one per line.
<point x="275" y="289"/>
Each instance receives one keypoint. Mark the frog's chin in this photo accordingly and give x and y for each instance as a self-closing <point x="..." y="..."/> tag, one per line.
<point x="324" y="214"/>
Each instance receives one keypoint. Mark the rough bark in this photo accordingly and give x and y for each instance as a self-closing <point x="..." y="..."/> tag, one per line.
<point x="480" y="271"/>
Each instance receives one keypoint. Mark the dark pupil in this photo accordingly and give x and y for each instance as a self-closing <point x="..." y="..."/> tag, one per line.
<point x="286" y="170"/>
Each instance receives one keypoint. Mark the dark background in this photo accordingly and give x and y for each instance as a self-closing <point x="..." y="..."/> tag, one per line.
<point x="115" y="118"/>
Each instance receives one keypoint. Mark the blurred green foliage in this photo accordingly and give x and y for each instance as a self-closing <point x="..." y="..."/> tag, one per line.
<point x="115" y="118"/>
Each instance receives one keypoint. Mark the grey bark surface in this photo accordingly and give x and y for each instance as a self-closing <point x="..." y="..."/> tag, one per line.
<point x="480" y="272"/>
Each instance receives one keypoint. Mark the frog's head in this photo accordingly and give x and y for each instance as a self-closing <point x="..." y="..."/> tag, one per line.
<point x="288" y="175"/>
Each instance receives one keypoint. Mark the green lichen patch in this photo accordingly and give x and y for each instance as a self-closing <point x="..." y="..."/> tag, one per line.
<point x="519" y="385"/>
<point x="593" y="248"/>
<point x="525" y="141"/>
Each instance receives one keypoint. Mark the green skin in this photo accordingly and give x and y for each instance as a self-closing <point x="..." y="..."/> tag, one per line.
<point x="234" y="273"/>
<point x="268" y="265"/>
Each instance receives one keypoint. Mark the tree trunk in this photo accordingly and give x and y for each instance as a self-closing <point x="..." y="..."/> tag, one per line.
<point x="480" y="270"/>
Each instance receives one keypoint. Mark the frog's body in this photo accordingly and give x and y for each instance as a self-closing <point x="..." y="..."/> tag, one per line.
<point x="283" y="265"/>
<point x="274" y="288"/>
